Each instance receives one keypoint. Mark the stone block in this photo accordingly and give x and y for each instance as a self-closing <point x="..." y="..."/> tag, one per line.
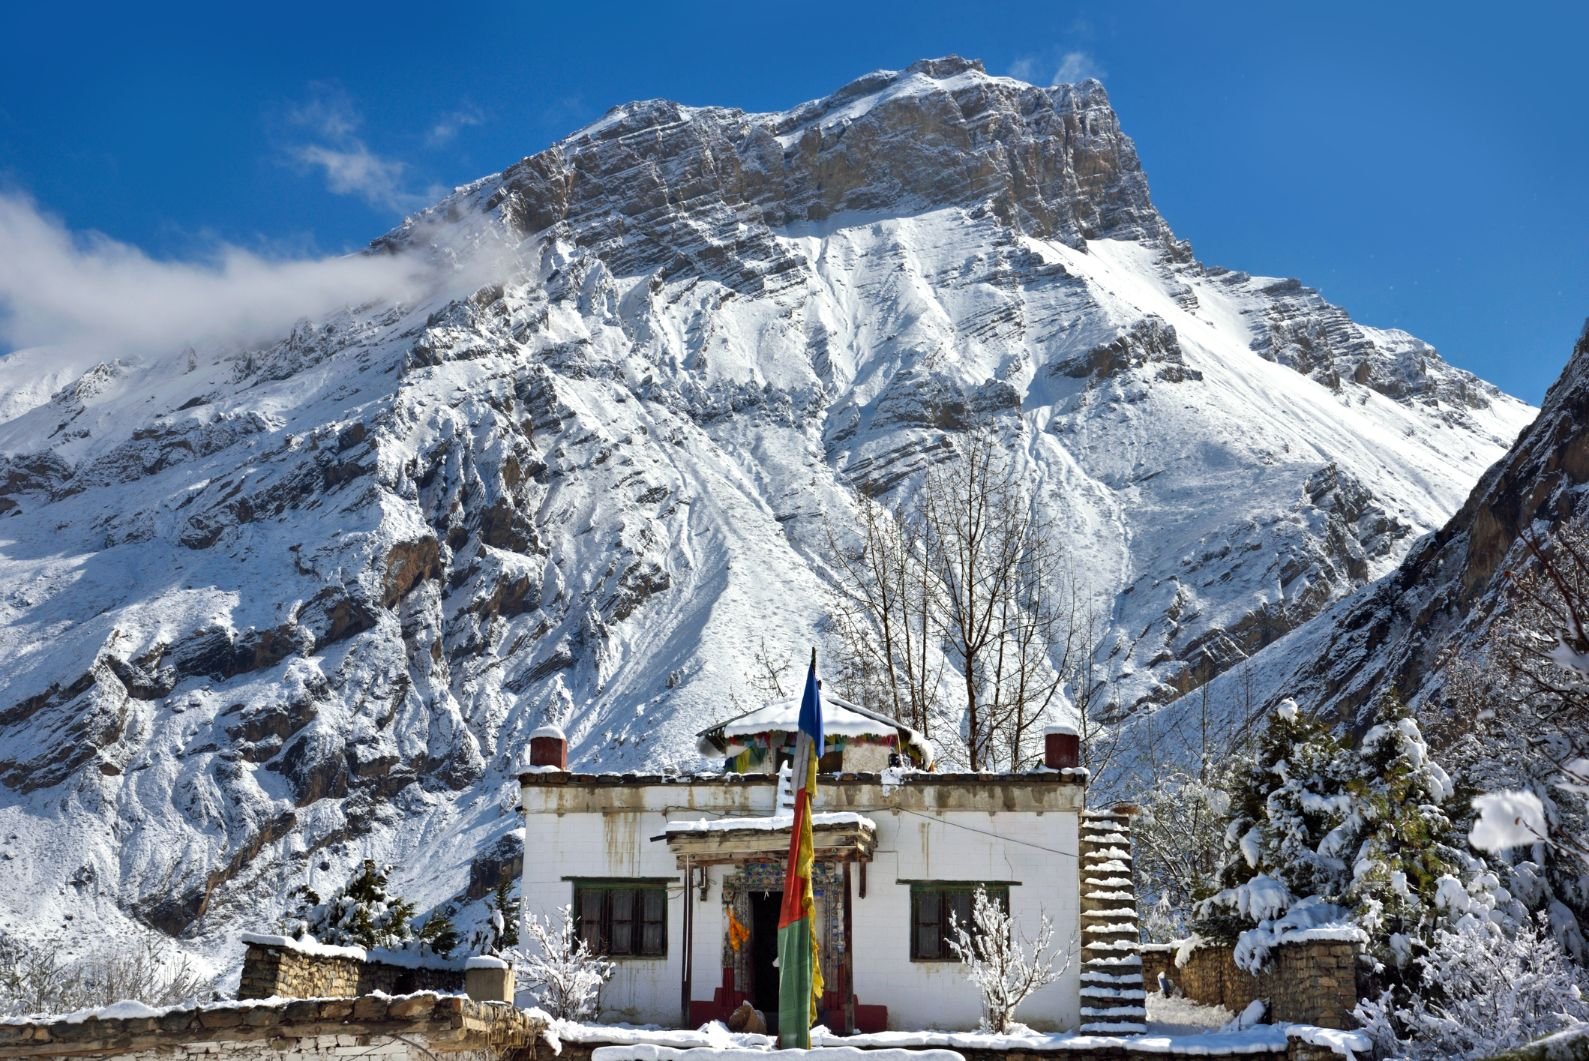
<point x="489" y="985"/>
<point x="369" y="1008"/>
<point x="299" y="1011"/>
<point x="261" y="1016"/>
<point x="417" y="1007"/>
<point x="337" y="1010"/>
<point x="220" y="1018"/>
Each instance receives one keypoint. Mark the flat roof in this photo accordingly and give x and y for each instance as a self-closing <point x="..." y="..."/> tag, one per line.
<point x="543" y="777"/>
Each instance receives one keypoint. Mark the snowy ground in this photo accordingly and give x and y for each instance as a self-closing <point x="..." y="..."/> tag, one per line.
<point x="1182" y="1016"/>
<point x="1185" y="1029"/>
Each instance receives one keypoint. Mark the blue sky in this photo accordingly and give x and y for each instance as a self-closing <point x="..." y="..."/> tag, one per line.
<point x="1424" y="166"/>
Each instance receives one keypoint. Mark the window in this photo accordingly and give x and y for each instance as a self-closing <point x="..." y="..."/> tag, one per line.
<point x="624" y="918"/>
<point x="931" y="906"/>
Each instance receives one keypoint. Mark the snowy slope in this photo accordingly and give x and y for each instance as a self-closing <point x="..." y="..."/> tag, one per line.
<point x="267" y="611"/>
<point x="1402" y="634"/>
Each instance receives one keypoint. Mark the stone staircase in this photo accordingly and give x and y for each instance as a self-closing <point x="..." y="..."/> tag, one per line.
<point x="1112" y="999"/>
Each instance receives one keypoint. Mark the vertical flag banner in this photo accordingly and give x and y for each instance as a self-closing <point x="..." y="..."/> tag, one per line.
<point x="799" y="967"/>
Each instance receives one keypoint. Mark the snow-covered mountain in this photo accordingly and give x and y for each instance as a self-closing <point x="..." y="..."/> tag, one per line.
<point x="268" y="610"/>
<point x="1403" y="633"/>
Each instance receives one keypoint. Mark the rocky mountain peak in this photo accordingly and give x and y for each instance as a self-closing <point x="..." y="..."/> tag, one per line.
<point x="657" y="184"/>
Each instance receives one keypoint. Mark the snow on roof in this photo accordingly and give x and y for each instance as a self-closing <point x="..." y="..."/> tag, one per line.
<point x="770" y="823"/>
<point x="840" y="718"/>
<point x="308" y="945"/>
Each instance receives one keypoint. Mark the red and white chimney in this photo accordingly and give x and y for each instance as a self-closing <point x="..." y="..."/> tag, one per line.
<point x="549" y="748"/>
<point x="1061" y="748"/>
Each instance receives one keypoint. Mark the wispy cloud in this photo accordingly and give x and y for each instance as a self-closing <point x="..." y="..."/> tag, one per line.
<point x="87" y="297"/>
<point x="1024" y="67"/>
<point x="1077" y="66"/>
<point x="327" y="138"/>
<point x="448" y="126"/>
<point x="354" y="169"/>
<point x="1068" y="68"/>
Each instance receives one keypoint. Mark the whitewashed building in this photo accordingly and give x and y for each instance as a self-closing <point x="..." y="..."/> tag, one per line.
<point x="679" y="878"/>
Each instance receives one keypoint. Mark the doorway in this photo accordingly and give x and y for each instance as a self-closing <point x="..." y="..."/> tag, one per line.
<point x="764" y="910"/>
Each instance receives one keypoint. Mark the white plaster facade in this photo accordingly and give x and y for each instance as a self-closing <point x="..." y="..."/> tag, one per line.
<point x="1020" y="830"/>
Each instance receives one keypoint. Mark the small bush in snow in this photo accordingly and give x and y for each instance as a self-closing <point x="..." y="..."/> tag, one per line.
<point x="1484" y="992"/>
<point x="1176" y="838"/>
<point x="996" y="963"/>
<point x="36" y="979"/>
<point x="559" y="967"/>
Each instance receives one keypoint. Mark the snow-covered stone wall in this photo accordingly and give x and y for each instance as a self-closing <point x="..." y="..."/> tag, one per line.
<point x="1017" y="830"/>
<point x="286" y="971"/>
<point x="1308" y="982"/>
<point x="378" y="1026"/>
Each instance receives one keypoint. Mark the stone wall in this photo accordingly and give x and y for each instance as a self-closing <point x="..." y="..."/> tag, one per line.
<point x="1293" y="1050"/>
<point x="284" y="972"/>
<point x="414" y="1026"/>
<point x="1311" y="982"/>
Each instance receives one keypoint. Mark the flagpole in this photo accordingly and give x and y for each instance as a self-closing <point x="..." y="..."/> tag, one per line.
<point x="799" y="963"/>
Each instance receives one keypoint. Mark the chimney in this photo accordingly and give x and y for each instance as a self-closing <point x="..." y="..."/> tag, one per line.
<point x="549" y="748"/>
<point x="1061" y="748"/>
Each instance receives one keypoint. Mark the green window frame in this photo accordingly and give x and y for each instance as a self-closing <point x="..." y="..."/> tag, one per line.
<point x="623" y="918"/>
<point x="931" y="905"/>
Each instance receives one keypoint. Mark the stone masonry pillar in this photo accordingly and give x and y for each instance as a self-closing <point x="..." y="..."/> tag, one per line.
<point x="1112" y="999"/>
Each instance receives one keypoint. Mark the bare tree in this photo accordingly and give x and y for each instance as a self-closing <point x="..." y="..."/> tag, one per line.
<point x="1095" y="729"/>
<point x="886" y="614"/>
<point x="767" y="677"/>
<point x="999" y="569"/>
<point x="43" y="979"/>
<point x="963" y="582"/>
<point x="997" y="963"/>
<point x="560" y="967"/>
<point x="1515" y="718"/>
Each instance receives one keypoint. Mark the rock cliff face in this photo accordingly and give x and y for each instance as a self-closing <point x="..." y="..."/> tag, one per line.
<point x="658" y="187"/>
<point x="1398" y="634"/>
<point x="267" y="611"/>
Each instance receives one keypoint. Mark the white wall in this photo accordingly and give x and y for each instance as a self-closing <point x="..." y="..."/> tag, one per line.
<point x="1021" y="829"/>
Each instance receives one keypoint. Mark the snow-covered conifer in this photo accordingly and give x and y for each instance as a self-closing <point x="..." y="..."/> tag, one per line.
<point x="365" y="913"/>
<point x="1350" y="841"/>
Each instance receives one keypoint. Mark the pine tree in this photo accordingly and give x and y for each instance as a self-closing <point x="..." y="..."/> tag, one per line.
<point x="1284" y="802"/>
<point x="1401" y="830"/>
<point x="1325" y="834"/>
<point x="363" y="913"/>
<point x="438" y="933"/>
<point x="504" y="916"/>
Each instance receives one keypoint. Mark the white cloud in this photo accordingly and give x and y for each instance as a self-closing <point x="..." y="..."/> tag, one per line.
<point x="90" y="298"/>
<point x="1073" y="66"/>
<point x="328" y="112"/>
<point x="1077" y="66"/>
<point x="447" y="127"/>
<point x="355" y="170"/>
<point x="335" y="148"/>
